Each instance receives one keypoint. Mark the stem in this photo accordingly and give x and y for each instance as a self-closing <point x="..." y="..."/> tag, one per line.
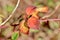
<point x="11" y="14"/>
<point x="51" y="20"/>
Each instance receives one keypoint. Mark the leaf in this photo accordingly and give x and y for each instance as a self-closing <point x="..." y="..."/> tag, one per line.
<point x="40" y="14"/>
<point x="38" y="4"/>
<point x="51" y="3"/>
<point x="53" y="24"/>
<point x="33" y="30"/>
<point x="9" y="8"/>
<point x="7" y="32"/>
<point x="40" y="38"/>
<point x="49" y="32"/>
<point x="15" y="35"/>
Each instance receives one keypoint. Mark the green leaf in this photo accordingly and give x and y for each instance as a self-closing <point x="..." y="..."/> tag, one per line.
<point x="49" y="32"/>
<point x="33" y="30"/>
<point x="53" y="24"/>
<point x="51" y="3"/>
<point x="15" y="35"/>
<point x="38" y="4"/>
<point x="40" y="38"/>
<point x="40" y="14"/>
<point x="9" y="8"/>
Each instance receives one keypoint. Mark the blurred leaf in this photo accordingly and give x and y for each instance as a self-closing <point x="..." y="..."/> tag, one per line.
<point x="40" y="14"/>
<point x="34" y="31"/>
<point x="1" y="15"/>
<point x="53" y="24"/>
<point x="58" y="3"/>
<point x="9" y="8"/>
<point x="40" y="38"/>
<point x="49" y="32"/>
<point x="51" y="3"/>
<point x="38" y="4"/>
<point x="15" y="35"/>
<point x="1" y="20"/>
<point x="7" y="32"/>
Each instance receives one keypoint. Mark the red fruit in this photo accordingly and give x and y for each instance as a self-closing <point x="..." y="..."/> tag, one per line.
<point x="33" y="23"/>
<point x="30" y="10"/>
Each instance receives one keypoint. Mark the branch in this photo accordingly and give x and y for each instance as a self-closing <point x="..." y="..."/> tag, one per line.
<point x="51" y="20"/>
<point x="11" y="14"/>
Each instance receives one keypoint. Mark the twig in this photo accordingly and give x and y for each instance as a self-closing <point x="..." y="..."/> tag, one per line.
<point x="51" y="20"/>
<point x="11" y="14"/>
<point x="51" y="13"/>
